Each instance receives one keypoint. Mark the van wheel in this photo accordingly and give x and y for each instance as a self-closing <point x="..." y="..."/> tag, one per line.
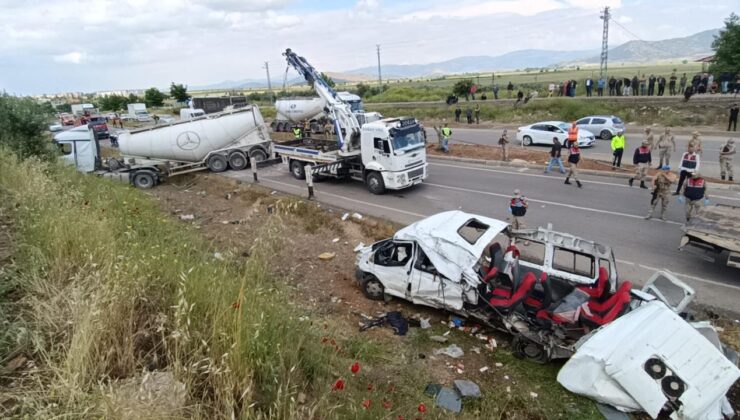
<point x="372" y="288"/>
<point x="217" y="163"/>
<point x="237" y="161"/>
<point x="258" y="154"/>
<point x="527" y="140"/>
<point x="524" y="348"/>
<point x="374" y="182"/>
<point x="606" y="135"/>
<point x="144" y="180"/>
<point x="296" y="168"/>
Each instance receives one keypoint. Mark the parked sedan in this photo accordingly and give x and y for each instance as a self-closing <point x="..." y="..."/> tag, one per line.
<point x="543" y="132"/>
<point x="605" y="126"/>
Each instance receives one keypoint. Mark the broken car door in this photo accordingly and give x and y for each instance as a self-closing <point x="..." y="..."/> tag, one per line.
<point x="430" y="288"/>
<point x="392" y="262"/>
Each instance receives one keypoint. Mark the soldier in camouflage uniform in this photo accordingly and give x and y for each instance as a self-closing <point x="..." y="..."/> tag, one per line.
<point x="661" y="191"/>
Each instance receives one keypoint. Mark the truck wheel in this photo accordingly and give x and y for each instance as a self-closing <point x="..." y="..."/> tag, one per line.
<point x="144" y="180"/>
<point x="258" y="154"/>
<point x="372" y="288"/>
<point x="237" y="161"/>
<point x="375" y="184"/>
<point x="296" y="168"/>
<point x="217" y="163"/>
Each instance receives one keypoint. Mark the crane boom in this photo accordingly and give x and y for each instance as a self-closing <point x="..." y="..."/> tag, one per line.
<point x="340" y="111"/>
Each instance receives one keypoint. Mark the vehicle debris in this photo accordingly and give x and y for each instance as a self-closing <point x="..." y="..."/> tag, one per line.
<point x="453" y="350"/>
<point x="448" y="399"/>
<point x="327" y="256"/>
<point x="187" y="217"/>
<point x="466" y="388"/>
<point x="357" y="216"/>
<point x="438" y="338"/>
<point x="424" y="323"/>
<point x="393" y="319"/>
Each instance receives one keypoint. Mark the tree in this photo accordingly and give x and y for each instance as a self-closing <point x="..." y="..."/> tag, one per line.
<point x="153" y="97"/>
<point x="328" y="80"/>
<point x="179" y="92"/>
<point x="727" y="47"/>
<point x="64" y="108"/>
<point x="114" y="102"/>
<point x="133" y="99"/>
<point x="24" y="125"/>
<point x="462" y="87"/>
<point x="362" y="90"/>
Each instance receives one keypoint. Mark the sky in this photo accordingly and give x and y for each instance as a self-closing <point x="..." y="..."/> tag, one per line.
<point x="51" y="46"/>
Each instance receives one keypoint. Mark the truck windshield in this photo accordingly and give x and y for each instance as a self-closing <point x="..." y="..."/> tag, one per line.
<point x="355" y="106"/>
<point x="407" y="139"/>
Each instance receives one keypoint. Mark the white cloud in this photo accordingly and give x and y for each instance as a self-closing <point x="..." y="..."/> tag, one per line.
<point x="74" y="57"/>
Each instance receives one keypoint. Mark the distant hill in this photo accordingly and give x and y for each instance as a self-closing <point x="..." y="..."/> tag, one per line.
<point x="699" y="44"/>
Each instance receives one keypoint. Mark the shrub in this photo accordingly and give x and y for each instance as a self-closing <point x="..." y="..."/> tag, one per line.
<point x="24" y="127"/>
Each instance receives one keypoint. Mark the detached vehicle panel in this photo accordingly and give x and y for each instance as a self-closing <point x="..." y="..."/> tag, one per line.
<point x="714" y="230"/>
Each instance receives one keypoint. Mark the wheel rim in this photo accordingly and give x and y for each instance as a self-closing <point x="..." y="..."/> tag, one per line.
<point x="373" y="183"/>
<point x="527" y="140"/>
<point x="296" y="169"/>
<point x="374" y="288"/>
<point x="532" y="351"/>
<point x="259" y="155"/>
<point x="238" y="161"/>
<point x="143" y="181"/>
<point x="606" y="135"/>
<point x="218" y="165"/>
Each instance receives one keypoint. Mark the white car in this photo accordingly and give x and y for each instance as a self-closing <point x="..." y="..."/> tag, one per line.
<point x="543" y="132"/>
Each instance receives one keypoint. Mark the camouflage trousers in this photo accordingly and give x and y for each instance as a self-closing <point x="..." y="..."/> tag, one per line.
<point x="663" y="197"/>
<point x="641" y="172"/>
<point x="692" y="207"/>
<point x="725" y="167"/>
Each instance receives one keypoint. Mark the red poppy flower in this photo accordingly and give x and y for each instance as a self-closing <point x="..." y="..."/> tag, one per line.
<point x="338" y="385"/>
<point x="324" y="339"/>
<point x="366" y="404"/>
<point x="387" y="404"/>
<point x="355" y="368"/>
<point x="422" y="408"/>
<point x="370" y="387"/>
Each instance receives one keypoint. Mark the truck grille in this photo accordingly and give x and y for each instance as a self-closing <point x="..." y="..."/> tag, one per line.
<point x="416" y="173"/>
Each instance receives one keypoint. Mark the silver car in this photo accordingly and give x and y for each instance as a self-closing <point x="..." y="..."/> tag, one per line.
<point x="603" y="126"/>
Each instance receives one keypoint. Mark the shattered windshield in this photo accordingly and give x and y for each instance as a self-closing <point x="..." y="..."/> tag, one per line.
<point x="407" y="139"/>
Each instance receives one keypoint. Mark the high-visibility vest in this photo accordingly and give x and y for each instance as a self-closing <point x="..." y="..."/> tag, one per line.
<point x="446" y="131"/>
<point x="694" y="189"/>
<point x="297" y="132"/>
<point x="573" y="133"/>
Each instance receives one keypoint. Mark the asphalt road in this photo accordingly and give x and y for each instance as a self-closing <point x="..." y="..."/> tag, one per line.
<point x="604" y="210"/>
<point x="602" y="149"/>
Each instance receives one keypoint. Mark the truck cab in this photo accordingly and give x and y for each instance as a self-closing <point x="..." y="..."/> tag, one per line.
<point x="190" y="113"/>
<point x="393" y="153"/>
<point x="79" y="148"/>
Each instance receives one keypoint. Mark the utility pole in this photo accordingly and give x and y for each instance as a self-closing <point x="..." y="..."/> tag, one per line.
<point x="269" y="84"/>
<point x="380" y="78"/>
<point x="604" y="44"/>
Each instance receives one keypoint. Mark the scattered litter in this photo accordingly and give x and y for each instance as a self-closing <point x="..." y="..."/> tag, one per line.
<point x="483" y="369"/>
<point x="357" y="216"/>
<point x="467" y="388"/>
<point x="533" y="394"/>
<point x="187" y="217"/>
<point x="491" y="344"/>
<point x="452" y="350"/>
<point x="448" y="399"/>
<point x="499" y="364"/>
<point x="394" y="319"/>
<point x="327" y="256"/>
<point x="446" y="334"/>
<point x="201" y="193"/>
<point x="273" y="193"/>
<point x="303" y="318"/>
<point x="345" y="216"/>
<point x="424" y="323"/>
<point x="218" y="256"/>
<point x="508" y="389"/>
<point x="224" y="222"/>
<point x="475" y="350"/>
<point x="438" y="338"/>
<point x="359" y="247"/>
<point x="228" y="196"/>
<point x="335" y="299"/>
<point x="459" y="371"/>
<point x="335" y="240"/>
<point x="301" y="396"/>
<point x="506" y="377"/>
<point x="457" y="322"/>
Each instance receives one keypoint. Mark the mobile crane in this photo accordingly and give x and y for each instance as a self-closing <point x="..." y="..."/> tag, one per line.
<point x="385" y="154"/>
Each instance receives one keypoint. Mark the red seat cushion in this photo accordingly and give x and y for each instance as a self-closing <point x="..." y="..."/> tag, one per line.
<point x="600" y="289"/>
<point x="521" y="293"/>
<point x="595" y="306"/>
<point x="617" y="305"/>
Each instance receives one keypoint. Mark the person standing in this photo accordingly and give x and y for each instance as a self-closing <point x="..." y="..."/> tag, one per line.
<point x="672" y="83"/>
<point x="690" y="163"/>
<point x="733" y="117"/>
<point x="298" y="132"/>
<point x="661" y="191"/>
<point x="495" y="91"/>
<point x="446" y="134"/>
<point x="555" y="157"/>
<point x="695" y="142"/>
<point x="725" y="159"/>
<point x="327" y="129"/>
<point x="635" y="86"/>
<point x="518" y="208"/>
<point x="469" y="114"/>
<point x="649" y="138"/>
<point x="651" y="85"/>
<point x="626" y="89"/>
<point x="574" y="157"/>
<point x="519" y="98"/>
<point x="710" y="84"/>
<point x="682" y="83"/>
<point x="458" y="111"/>
<point x="612" y="86"/>
<point x="503" y="141"/>
<point x="572" y="134"/>
<point x="642" y="159"/>
<point x="589" y="87"/>
<point x="600" y="87"/>
<point x="618" y="87"/>
<point x="477" y="113"/>
<point x="661" y="85"/>
<point x="666" y="144"/>
<point x="618" y="149"/>
<point x="643" y="85"/>
<point x="694" y="192"/>
<point x="510" y="89"/>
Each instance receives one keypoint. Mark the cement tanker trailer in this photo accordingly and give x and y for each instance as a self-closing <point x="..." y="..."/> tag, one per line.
<point x="216" y="141"/>
<point x="292" y="112"/>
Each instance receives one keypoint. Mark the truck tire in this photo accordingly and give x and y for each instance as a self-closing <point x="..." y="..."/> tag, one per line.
<point x="144" y="180"/>
<point x="296" y="168"/>
<point x="374" y="182"/>
<point x="258" y="154"/>
<point x="238" y="161"/>
<point x="217" y="163"/>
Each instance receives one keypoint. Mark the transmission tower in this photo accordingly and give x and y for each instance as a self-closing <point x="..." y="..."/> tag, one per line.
<point x="604" y="44"/>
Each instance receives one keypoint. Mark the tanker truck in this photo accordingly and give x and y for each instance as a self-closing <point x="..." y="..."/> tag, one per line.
<point x="216" y="141"/>
<point x="293" y="111"/>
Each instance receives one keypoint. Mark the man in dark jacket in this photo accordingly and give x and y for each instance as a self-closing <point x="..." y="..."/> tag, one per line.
<point x="642" y="159"/>
<point x="635" y="86"/>
<point x="672" y="83"/>
<point x="651" y="85"/>
<point x="612" y="85"/>
<point x="733" y="117"/>
<point x="661" y="85"/>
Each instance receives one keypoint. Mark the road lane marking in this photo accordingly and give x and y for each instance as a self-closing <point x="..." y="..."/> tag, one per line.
<point x="553" y="203"/>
